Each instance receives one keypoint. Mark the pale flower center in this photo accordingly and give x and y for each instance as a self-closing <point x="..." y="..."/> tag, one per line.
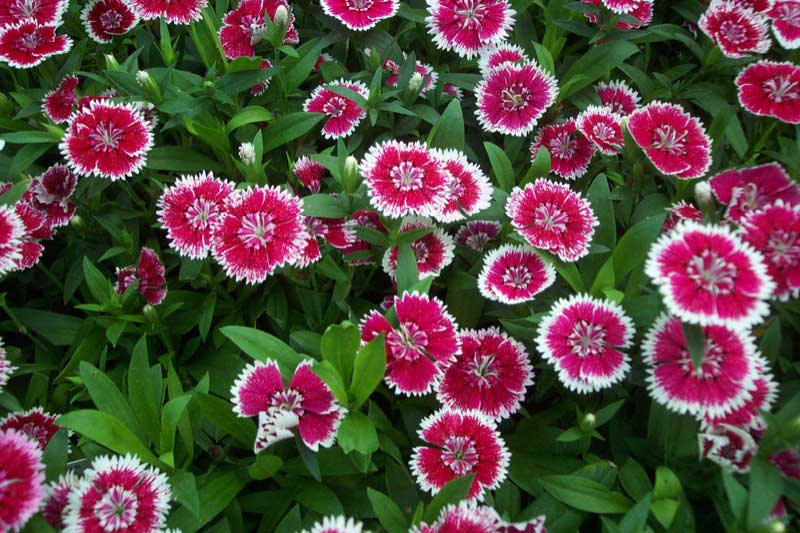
<point x="30" y="41"/>
<point x="604" y="132"/>
<point x="256" y="230"/>
<point x="116" y="510"/>
<point x="667" y="139"/>
<point x="781" y="88"/>
<point x="459" y="454"/>
<point x="517" y="276"/>
<point x="335" y="107"/>
<point x="23" y="9"/>
<point x="784" y="248"/>
<point x="290" y="401"/>
<point x="111" y="20"/>
<point x="515" y="97"/>
<point x="587" y="338"/>
<point x="477" y="241"/>
<point x="482" y="371"/>
<point x="421" y="251"/>
<point x="563" y="145"/>
<point x="359" y="5"/>
<point x="407" y="341"/>
<point x="551" y="217"/>
<point x="732" y="32"/>
<point x="106" y="136"/>
<point x="471" y="11"/>
<point x="199" y="213"/>
<point x="710" y="368"/>
<point x="712" y="273"/>
<point x="406" y="176"/>
<point x="789" y="13"/>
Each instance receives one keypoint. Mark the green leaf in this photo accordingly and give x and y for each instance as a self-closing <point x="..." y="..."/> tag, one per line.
<point x="169" y="421"/>
<point x="106" y="430"/>
<point x="248" y="115"/>
<point x="585" y="494"/>
<point x="16" y="191"/>
<point x="695" y="342"/>
<point x="501" y="166"/>
<point x="594" y="64"/>
<point x="407" y="270"/>
<point x="220" y="413"/>
<point x="632" y="248"/>
<point x="58" y="329"/>
<point x="449" y="131"/>
<point x="544" y="57"/>
<point x="215" y="494"/>
<point x="766" y="487"/>
<point x="263" y="346"/>
<point x="180" y="159"/>
<point x="606" y="413"/>
<point x="635" y="520"/>
<point x="389" y="514"/>
<point x="55" y="455"/>
<point x="323" y="206"/>
<point x="370" y="365"/>
<point x="144" y="393"/>
<point x="667" y="484"/>
<point x="339" y="345"/>
<point x="309" y="458"/>
<point x="634" y="479"/>
<point x="98" y="284"/>
<point x="107" y="396"/>
<point x="288" y="128"/>
<point x="452" y="493"/>
<point x="357" y="433"/>
<point x="737" y="495"/>
<point x="540" y="167"/>
<point x="265" y="466"/>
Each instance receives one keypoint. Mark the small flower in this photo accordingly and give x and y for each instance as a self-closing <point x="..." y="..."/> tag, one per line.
<point x="681" y="211"/>
<point x="342" y="114"/>
<point x="737" y="31"/>
<point x="749" y="189"/>
<point x="107" y="140"/>
<point x="58" y="103"/>
<point x="244" y="27"/>
<point x="787" y="462"/>
<point x="432" y="251"/>
<point x="724" y="380"/>
<point x="46" y="12"/>
<point x="470" y="189"/>
<point x="702" y="193"/>
<point x="105" y="19"/>
<point x="674" y="141"/>
<point x="336" y="524"/>
<point x="6" y="368"/>
<point x="149" y="272"/>
<point x="785" y="18"/>
<point x="360" y="15"/>
<point x="603" y="127"/>
<point x="419" y="346"/>
<point x="452" y="90"/>
<point x="27" y="43"/>
<point x="405" y="179"/>
<point x="460" y="443"/>
<point x="552" y="217"/>
<point x="619" y="97"/>
<point x="570" y="152"/>
<point x="247" y="153"/>
<point x="58" y="498"/>
<point x="310" y="173"/>
<point x="488" y="375"/>
<point x="466" y="26"/>
<point x="38" y="425"/>
<point x="12" y="231"/>
<point x="769" y="88"/>
<point x="512" y="98"/>
<point x="172" y="11"/>
<point x="22" y="478"/>
<point x="306" y="404"/>
<point x="493" y="56"/>
<point x="582" y="337"/>
<point x="189" y="209"/>
<point x="729" y="446"/>
<point x="50" y="193"/>
<point x="514" y="274"/>
<point x="261" y="87"/>
<point x="707" y="275"/>
<point x="477" y="234"/>
<point x="311" y="253"/>
<point x="118" y="494"/>
<point x="260" y="229"/>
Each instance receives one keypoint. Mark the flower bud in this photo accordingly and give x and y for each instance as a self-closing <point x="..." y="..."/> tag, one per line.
<point x="281" y="18"/>
<point x="112" y="63"/>
<point x="149" y="85"/>
<point x="350" y="176"/>
<point x="247" y="153"/>
<point x="588" y="422"/>
<point x="150" y="313"/>
<point x="415" y="83"/>
<point x="776" y="526"/>
<point x="702" y="193"/>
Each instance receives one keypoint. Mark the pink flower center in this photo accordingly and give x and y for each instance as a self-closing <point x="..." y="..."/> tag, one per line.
<point x="459" y="454"/>
<point x="358" y="5"/>
<point x="200" y="212"/>
<point x="587" y="338"/>
<point x="732" y="32"/>
<point x="784" y="248"/>
<point x="421" y="251"/>
<point x="256" y="230"/>
<point x="406" y="177"/>
<point x="116" y="510"/>
<point x="563" y="145"/>
<point x="712" y="273"/>
<point x="789" y="13"/>
<point x="604" y="132"/>
<point x="667" y="139"/>
<point x="106" y="136"/>
<point x="551" y="216"/>
<point x="710" y="368"/>
<point x="22" y="9"/>
<point x="288" y="400"/>
<point x="30" y="41"/>
<point x="517" y="276"/>
<point x="478" y="240"/>
<point x="407" y="342"/>
<point x="780" y="88"/>
<point x="336" y="106"/>
<point x="471" y="11"/>
<point x="482" y="371"/>
<point x="111" y="20"/>
<point x="515" y="97"/>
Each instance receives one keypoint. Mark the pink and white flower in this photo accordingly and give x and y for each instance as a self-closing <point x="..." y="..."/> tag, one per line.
<point x="261" y="87"/>
<point x="619" y="97"/>
<point x="188" y="210"/>
<point x="106" y="19"/>
<point x="50" y="193"/>
<point x="477" y="234"/>
<point x="22" y="478"/>
<point x="172" y="11"/>
<point x="748" y="415"/>
<point x="306" y="404"/>
<point x="149" y="272"/>
<point x="309" y="172"/>
<point x="787" y="462"/>
<point x="749" y="189"/>
<point x="674" y="141"/>
<point x="336" y="524"/>
<point x="429" y="76"/>
<point x="12" y="231"/>
<point x="118" y="494"/>
<point x="603" y="127"/>
<point x="311" y="253"/>
<point x="723" y="382"/>
<point x="6" y="368"/>
<point x="622" y="6"/>
<point x="38" y="425"/>
<point x="259" y="229"/>
<point x="423" y="342"/>
<point x="514" y="274"/>
<point x="570" y="152"/>
<point x="360" y="15"/>
<point x="460" y="443"/>
<point x="770" y="88"/>
<point x="785" y="16"/>
<point x="36" y="229"/>
<point x="640" y="11"/>
<point x="737" y="31"/>
<point x="512" y="98"/>
<point x="681" y="211"/>
<point x="467" y="26"/>
<point x="757" y="6"/>
<point x="347" y="240"/>
<point x="27" y="43"/>
<point x="467" y="517"/>
<point x="58" y="498"/>
<point x="470" y="189"/>
<point x="707" y="275"/>
<point x="405" y="179"/>
<point x="583" y="338"/>
<point x="550" y="216"/>
<point x="495" y="55"/>
<point x="489" y="374"/>
<point x="46" y="12"/>
<point x="731" y="447"/>
<point x="342" y="114"/>
<point x="243" y="27"/>
<point x="58" y="103"/>
<point x="433" y="251"/>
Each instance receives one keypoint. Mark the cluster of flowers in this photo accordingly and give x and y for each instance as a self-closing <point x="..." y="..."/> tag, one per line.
<point x="28" y="32"/>
<point x="630" y="14"/>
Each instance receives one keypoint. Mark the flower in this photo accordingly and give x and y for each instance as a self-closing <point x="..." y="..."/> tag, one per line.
<point x="488" y="375"/>
<point x="259" y="230"/>
<point x="552" y="217"/>
<point x="315" y="228"/>
<point x="477" y="234"/>
<point x="749" y="189"/>
<point x="58" y="103"/>
<point x="729" y="446"/>
<point x="769" y="88"/>
<point x="26" y="43"/>
<point x="50" y="193"/>
<point x="405" y="179"/>
<point x="787" y="462"/>
<point x="722" y="383"/>
<point x="12" y="231"/>
<point x="603" y="127"/>
<point x="470" y="189"/>
<point x="47" y="12"/>
<point x="419" y="346"/>
<point x="429" y="76"/>
<point x="619" y="97"/>
<point x="261" y="87"/>
<point x="433" y="251"/>
<point x="149" y="272"/>
<point x="582" y="337"/>
<point x="118" y="493"/>
<point x="570" y="152"/>
<point x="757" y="6"/>
<point x="737" y="31"/>
<point x="512" y="98"/>
<point x="346" y="239"/>
<point x="36" y="228"/>
<point x="360" y="15"/>
<point x="495" y="55"/>
<point x="642" y="13"/>
<point x="189" y="209"/>
<point x="22" y="478"/>
<point x="38" y="425"/>
<point x="108" y="140"/>
<point x="306" y="404"/>
<point x="336" y="524"/>
<point x="748" y="415"/>
<point x="514" y="274"/>
<point x="775" y="232"/>
<point x="681" y="211"/>
<point x="342" y="114"/>
<point x="105" y="19"/>
<point x="58" y="497"/>
<point x="172" y="11"/>
<point x="466" y="26"/>
<point x="309" y="172"/>
<point x="461" y="443"/>
<point x="243" y="27"/>
<point x="707" y="275"/>
<point x="674" y="141"/>
<point x="622" y="6"/>
<point x="785" y="17"/>
<point x="247" y="153"/>
<point x="468" y="517"/>
<point x="452" y="90"/>
<point x="6" y="368"/>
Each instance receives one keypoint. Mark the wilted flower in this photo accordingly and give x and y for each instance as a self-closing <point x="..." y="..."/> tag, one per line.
<point x="50" y="193"/>
<point x="770" y="88"/>
<point x="149" y="272"/>
<point x="360" y="15"/>
<point x="466" y="26"/>
<point x="681" y="211"/>
<point x="309" y="172"/>
<point x="514" y="274"/>
<point x="730" y="447"/>
<point x="106" y="19"/>
<point x="22" y="478"/>
<point x="570" y="151"/>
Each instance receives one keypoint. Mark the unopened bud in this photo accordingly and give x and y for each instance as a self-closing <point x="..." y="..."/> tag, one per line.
<point x="112" y="63"/>
<point x="143" y="78"/>
<point x="150" y="313"/>
<point x="281" y="18"/>
<point x="247" y="153"/>
<point x="415" y="82"/>
<point x="350" y="174"/>
<point x="588" y="422"/>
<point x="76" y="221"/>
<point x="149" y="85"/>
<point x="776" y="526"/>
<point x="702" y="193"/>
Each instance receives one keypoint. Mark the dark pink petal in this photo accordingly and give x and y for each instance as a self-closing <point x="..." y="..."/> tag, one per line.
<point x="254" y="388"/>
